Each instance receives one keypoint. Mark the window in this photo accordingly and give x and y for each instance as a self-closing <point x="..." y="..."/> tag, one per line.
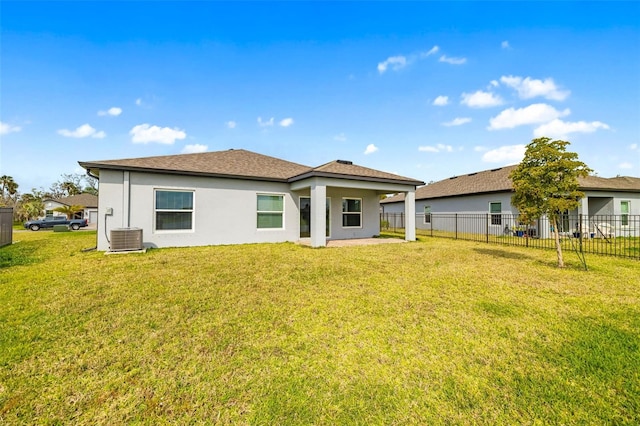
<point x="496" y="213"/>
<point x="624" y="212"/>
<point x="427" y="214"/>
<point x="270" y="211"/>
<point x="174" y="210"/>
<point x="352" y="212"/>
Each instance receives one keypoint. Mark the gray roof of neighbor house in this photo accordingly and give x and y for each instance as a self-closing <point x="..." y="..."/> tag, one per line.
<point x="497" y="180"/>
<point x="243" y="164"/>
<point x="86" y="200"/>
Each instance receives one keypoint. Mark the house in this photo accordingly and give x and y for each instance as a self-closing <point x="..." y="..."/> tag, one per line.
<point x="88" y="201"/>
<point x="489" y="192"/>
<point x="239" y="196"/>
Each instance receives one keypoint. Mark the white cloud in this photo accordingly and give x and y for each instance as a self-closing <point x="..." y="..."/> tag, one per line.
<point x="625" y="165"/>
<point x="452" y="61"/>
<point x="511" y="154"/>
<point x="437" y="148"/>
<point x="340" y="138"/>
<point x="231" y="124"/>
<point x="139" y="101"/>
<point x="371" y="148"/>
<point x="559" y="129"/>
<point x="633" y="146"/>
<point x="286" y="122"/>
<point x="194" y="149"/>
<point x="494" y="83"/>
<point x="528" y="88"/>
<point x="505" y="45"/>
<point x="396" y="63"/>
<point x="83" y="131"/>
<point x="441" y="101"/>
<point x="457" y="121"/>
<point x="113" y="111"/>
<point x="400" y="61"/>
<point x="145" y="133"/>
<point x="533" y="114"/>
<point x="480" y="148"/>
<point x="6" y="128"/>
<point x="430" y="52"/>
<point x="481" y="99"/>
<point x="265" y="123"/>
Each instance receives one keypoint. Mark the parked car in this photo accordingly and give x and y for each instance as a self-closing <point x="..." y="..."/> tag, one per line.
<point x="51" y="221"/>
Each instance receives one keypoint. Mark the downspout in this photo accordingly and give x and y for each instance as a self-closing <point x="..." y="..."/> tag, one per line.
<point x="126" y="199"/>
<point x="96" y="177"/>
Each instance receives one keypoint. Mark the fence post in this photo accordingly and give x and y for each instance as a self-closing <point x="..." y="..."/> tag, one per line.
<point x="456" y="224"/>
<point x="486" y="225"/>
<point x="580" y="230"/>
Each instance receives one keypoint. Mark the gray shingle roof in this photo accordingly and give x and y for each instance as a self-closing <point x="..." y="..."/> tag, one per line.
<point x="242" y="164"/>
<point x="497" y="180"/>
<point x="231" y="163"/>
<point x="86" y="200"/>
<point x="348" y="170"/>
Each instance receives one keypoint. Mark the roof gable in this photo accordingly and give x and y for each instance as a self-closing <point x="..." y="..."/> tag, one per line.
<point x="348" y="170"/>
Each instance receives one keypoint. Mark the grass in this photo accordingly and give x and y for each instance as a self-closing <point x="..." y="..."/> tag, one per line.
<point x="432" y="332"/>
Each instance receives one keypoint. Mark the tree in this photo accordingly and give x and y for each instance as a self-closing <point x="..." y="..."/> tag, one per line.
<point x="69" y="211"/>
<point x="73" y="184"/>
<point x="8" y="187"/>
<point x="546" y="183"/>
<point x="92" y="185"/>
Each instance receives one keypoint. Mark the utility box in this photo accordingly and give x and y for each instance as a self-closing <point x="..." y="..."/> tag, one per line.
<point x="61" y="228"/>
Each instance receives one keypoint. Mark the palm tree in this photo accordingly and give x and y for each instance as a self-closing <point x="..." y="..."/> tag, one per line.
<point x="8" y="185"/>
<point x="69" y="211"/>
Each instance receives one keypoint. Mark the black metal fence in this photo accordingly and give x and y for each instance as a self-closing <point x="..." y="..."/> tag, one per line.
<point x="6" y="226"/>
<point x="613" y="235"/>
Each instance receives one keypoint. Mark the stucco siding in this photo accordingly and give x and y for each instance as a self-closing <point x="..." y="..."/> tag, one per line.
<point x="224" y="210"/>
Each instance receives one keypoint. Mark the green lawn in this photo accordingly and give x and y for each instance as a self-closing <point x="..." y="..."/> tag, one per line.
<point x="432" y="332"/>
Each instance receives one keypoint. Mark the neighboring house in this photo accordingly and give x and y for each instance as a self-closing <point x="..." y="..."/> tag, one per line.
<point x="238" y="196"/>
<point x="88" y="201"/>
<point x="489" y="192"/>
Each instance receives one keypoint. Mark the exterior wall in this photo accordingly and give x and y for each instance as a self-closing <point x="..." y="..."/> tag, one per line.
<point x="475" y="204"/>
<point x="370" y="216"/>
<point x="225" y="210"/>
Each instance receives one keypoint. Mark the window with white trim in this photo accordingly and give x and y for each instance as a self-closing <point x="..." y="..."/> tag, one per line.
<point x="624" y="213"/>
<point x="270" y="211"/>
<point x="496" y="213"/>
<point x="173" y="210"/>
<point x="352" y="212"/>
<point x="427" y="214"/>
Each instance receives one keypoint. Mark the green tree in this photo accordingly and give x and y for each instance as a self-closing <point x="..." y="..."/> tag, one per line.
<point x="546" y="183"/>
<point x="69" y="211"/>
<point x="30" y="209"/>
<point x="8" y="187"/>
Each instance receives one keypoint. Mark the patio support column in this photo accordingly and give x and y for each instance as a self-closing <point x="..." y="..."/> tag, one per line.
<point x="410" y="215"/>
<point x="318" y="215"/>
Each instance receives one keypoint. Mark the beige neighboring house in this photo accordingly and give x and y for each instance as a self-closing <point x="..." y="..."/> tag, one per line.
<point x="239" y="196"/>
<point x="89" y="201"/>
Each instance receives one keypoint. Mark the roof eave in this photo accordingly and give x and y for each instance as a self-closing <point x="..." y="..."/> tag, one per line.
<point x="179" y="172"/>
<point x="311" y="174"/>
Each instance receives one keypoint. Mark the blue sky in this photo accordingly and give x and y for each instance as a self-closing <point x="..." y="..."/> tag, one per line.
<point x="427" y="90"/>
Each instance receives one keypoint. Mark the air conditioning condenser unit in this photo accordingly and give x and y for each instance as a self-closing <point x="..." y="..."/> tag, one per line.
<point x="126" y="239"/>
